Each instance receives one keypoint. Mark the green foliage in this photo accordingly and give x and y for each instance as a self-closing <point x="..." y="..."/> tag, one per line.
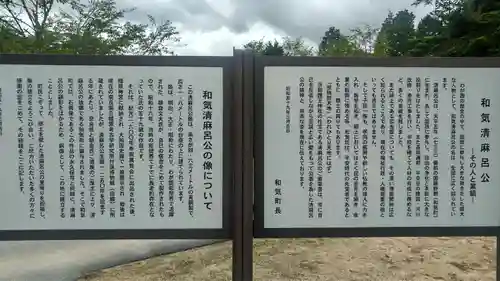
<point x="342" y="48"/>
<point x="466" y="28"/>
<point x="80" y="27"/>
<point x="396" y="33"/>
<point x="287" y="47"/>
<point x="269" y="48"/>
<point x="359" y="42"/>
<point x="297" y="47"/>
<point x="429" y="26"/>
<point x="453" y="28"/>
<point x="364" y="37"/>
<point x="332" y="35"/>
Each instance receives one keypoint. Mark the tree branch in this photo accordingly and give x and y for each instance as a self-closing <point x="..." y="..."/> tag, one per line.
<point x="15" y="17"/>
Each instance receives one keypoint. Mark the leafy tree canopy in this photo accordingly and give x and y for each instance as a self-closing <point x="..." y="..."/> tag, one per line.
<point x="80" y="27"/>
<point x="286" y="47"/>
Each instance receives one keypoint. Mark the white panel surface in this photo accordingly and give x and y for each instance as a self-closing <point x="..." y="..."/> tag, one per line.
<point x="388" y="147"/>
<point x="110" y="147"/>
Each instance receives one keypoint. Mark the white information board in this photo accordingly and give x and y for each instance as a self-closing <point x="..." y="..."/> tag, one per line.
<point x="381" y="147"/>
<point x="110" y="147"/>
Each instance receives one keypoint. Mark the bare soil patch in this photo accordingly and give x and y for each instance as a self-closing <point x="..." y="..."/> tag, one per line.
<point x="384" y="259"/>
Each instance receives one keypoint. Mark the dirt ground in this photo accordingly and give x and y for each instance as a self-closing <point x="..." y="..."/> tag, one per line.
<point x="384" y="259"/>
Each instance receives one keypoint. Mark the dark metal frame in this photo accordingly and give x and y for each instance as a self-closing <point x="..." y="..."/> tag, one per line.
<point x="243" y="162"/>
<point x="261" y="232"/>
<point x="248" y="164"/>
<point x="152" y="61"/>
<point x="237" y="108"/>
<point x="243" y="90"/>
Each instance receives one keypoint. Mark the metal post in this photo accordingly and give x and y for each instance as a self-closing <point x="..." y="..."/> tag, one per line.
<point x="242" y="137"/>
<point x="237" y="161"/>
<point x="248" y="164"/>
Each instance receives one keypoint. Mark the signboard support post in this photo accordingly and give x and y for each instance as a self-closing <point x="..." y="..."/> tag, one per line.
<point x="243" y="166"/>
<point x="248" y="164"/>
<point x="237" y="120"/>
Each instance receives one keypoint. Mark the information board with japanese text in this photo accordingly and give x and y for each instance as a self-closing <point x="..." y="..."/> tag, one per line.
<point x="111" y="147"/>
<point x="380" y="147"/>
